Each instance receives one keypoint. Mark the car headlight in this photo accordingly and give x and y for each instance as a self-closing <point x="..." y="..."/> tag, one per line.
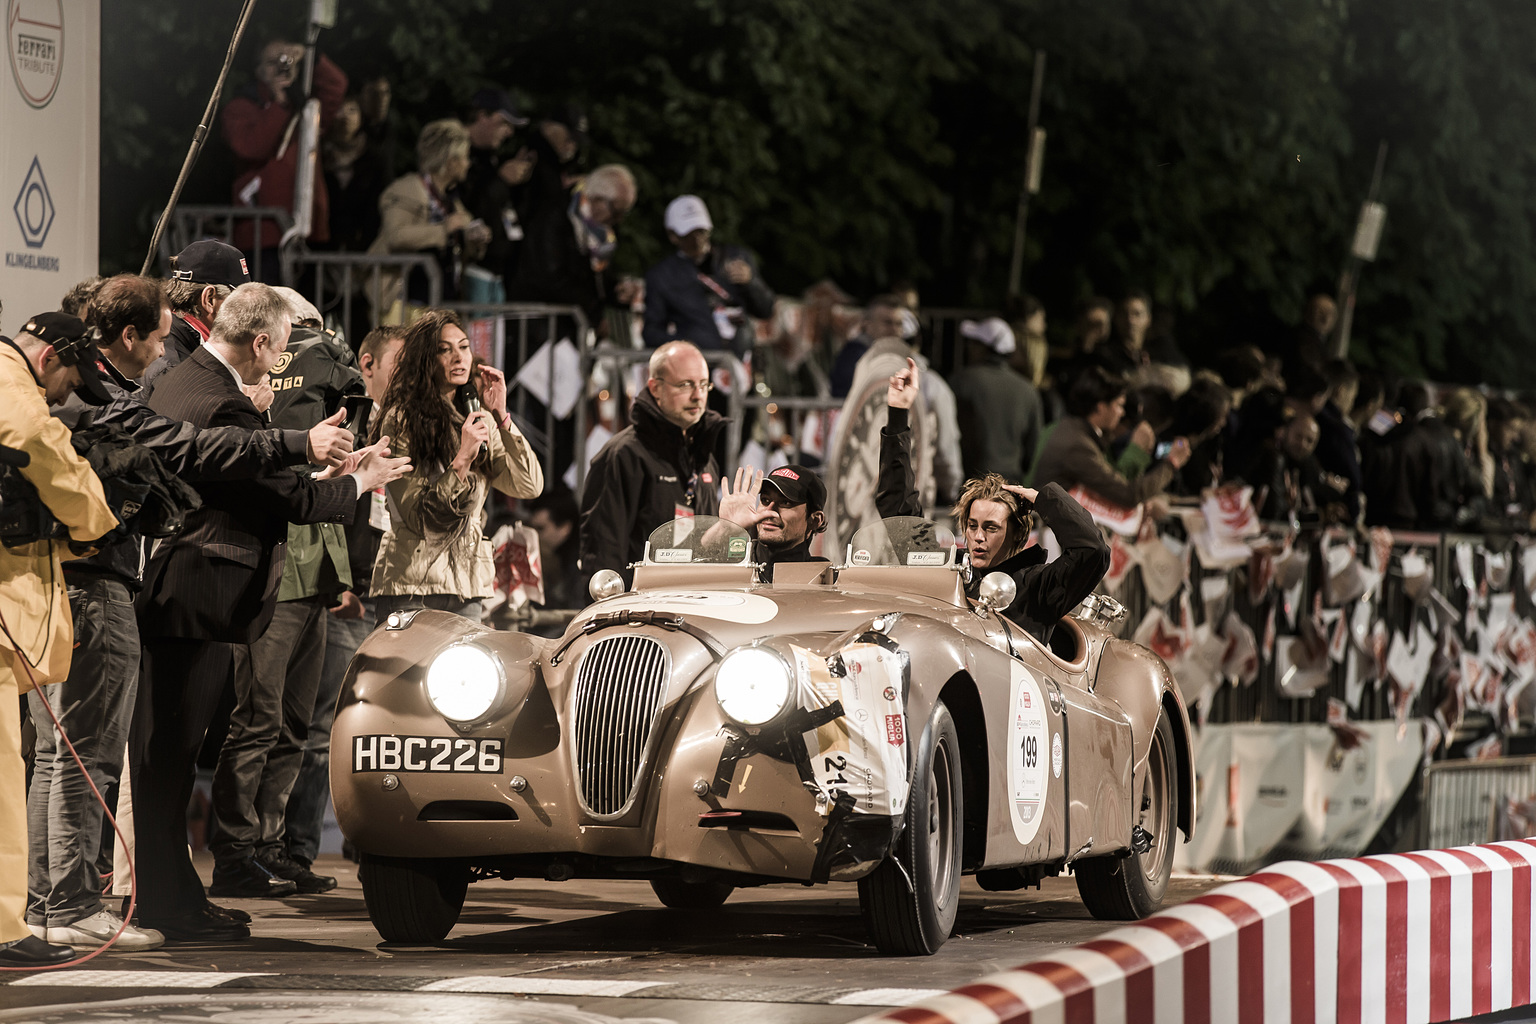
<point x="465" y="682"/>
<point x="753" y="685"/>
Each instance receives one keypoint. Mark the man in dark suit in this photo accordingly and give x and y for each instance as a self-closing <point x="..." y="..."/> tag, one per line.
<point x="213" y="586"/>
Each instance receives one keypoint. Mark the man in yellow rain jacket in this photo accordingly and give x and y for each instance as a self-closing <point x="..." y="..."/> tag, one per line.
<point x="50" y="359"/>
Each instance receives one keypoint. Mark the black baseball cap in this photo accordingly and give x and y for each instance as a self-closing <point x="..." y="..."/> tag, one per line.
<point x="75" y="345"/>
<point x="799" y="485"/>
<point x="496" y="101"/>
<point x="210" y="262"/>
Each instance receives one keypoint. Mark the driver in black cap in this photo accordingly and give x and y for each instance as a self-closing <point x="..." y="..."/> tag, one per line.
<point x="784" y="511"/>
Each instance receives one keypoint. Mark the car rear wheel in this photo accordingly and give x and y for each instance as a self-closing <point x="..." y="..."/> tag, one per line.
<point x="681" y="895"/>
<point x="1127" y="888"/>
<point x="910" y="901"/>
<point x="414" y="900"/>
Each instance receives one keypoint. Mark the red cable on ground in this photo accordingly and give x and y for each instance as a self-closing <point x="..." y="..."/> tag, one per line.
<point x="133" y="881"/>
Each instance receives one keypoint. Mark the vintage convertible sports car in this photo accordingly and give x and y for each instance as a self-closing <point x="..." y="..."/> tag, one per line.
<point x="706" y="731"/>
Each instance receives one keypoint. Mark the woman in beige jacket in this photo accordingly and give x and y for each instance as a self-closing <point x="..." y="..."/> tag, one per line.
<point x="434" y="553"/>
<point x="419" y="213"/>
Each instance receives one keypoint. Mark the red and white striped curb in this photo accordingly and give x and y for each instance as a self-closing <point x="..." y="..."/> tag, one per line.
<point x="1397" y="939"/>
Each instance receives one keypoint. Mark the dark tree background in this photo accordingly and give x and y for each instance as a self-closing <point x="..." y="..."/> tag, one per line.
<point x="1214" y="152"/>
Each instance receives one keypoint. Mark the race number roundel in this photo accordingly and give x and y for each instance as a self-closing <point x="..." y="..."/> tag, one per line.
<point x="1028" y="754"/>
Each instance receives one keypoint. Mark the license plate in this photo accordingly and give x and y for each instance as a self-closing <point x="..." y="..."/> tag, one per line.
<point x="389" y="753"/>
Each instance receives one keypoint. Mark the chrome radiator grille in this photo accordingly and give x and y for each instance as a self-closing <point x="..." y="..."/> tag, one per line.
<point x="619" y="686"/>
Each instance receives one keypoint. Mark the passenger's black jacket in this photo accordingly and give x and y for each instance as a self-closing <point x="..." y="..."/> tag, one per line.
<point x="640" y="478"/>
<point x="1046" y="590"/>
<point x="192" y="453"/>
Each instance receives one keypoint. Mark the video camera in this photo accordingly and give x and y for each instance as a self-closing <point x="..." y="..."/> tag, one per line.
<point x="24" y="519"/>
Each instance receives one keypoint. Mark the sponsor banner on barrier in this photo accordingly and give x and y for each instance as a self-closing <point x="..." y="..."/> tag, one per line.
<point x="1271" y="790"/>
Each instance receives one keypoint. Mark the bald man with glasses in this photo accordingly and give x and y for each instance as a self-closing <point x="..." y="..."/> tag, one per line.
<point x="658" y="468"/>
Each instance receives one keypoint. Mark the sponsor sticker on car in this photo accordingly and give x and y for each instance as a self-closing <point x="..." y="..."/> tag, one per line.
<point x="383" y="752"/>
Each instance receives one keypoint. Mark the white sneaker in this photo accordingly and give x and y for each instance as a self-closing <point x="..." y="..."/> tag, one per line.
<point x="99" y="927"/>
<point x="38" y="931"/>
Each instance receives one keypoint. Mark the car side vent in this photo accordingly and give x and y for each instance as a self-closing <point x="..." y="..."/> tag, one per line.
<point x="619" y="686"/>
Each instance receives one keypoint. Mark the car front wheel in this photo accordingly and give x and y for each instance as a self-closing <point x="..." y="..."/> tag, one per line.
<point x="1129" y="887"/>
<point x="413" y="899"/>
<point x="909" y="902"/>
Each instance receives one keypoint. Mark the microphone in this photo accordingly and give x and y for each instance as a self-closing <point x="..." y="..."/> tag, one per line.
<point x="14" y="457"/>
<point x="471" y="399"/>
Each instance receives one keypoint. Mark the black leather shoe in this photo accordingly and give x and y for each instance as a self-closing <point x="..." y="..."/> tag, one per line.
<point x="201" y="925"/>
<point x="284" y="866"/>
<point x="248" y="879"/>
<point x="34" y="952"/>
<point x="230" y="913"/>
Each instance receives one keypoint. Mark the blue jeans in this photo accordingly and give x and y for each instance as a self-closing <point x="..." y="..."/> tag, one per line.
<point x="94" y="705"/>
<point x="312" y="790"/>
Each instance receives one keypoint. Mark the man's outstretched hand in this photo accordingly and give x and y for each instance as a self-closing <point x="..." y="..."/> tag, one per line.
<point x="903" y="388"/>
<point x="738" y="504"/>
<point x="329" y="441"/>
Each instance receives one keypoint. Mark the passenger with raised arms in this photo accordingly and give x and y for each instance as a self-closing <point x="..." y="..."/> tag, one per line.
<point x="995" y="518"/>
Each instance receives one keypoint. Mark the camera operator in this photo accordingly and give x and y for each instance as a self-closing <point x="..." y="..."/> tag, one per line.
<point x="40" y="367"/>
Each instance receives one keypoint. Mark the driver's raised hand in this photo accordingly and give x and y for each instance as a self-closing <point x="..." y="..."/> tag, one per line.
<point x="738" y="503"/>
<point x="903" y="389"/>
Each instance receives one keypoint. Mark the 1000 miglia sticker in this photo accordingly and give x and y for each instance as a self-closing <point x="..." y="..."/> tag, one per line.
<point x="1028" y="754"/>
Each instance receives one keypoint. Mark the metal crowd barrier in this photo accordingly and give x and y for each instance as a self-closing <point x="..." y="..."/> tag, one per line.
<point x="621" y="360"/>
<point x="796" y="412"/>
<point x="349" y="267"/>
<point x="1462" y="798"/>
<point x="191" y="223"/>
<point x="520" y="328"/>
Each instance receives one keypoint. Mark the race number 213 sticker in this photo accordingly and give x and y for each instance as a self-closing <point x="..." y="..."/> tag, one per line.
<point x="1028" y="754"/>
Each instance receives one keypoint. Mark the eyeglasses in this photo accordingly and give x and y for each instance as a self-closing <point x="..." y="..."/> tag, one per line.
<point x="703" y="387"/>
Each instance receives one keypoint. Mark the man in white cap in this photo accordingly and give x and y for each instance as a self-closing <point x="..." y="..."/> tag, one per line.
<point x="702" y="292"/>
<point x="1000" y="420"/>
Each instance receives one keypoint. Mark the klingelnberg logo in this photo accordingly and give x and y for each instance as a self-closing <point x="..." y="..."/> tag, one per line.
<point x="34" y="207"/>
<point x="34" y="35"/>
<point x="34" y="212"/>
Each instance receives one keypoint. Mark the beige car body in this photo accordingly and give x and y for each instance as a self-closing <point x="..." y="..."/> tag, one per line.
<point x="534" y="819"/>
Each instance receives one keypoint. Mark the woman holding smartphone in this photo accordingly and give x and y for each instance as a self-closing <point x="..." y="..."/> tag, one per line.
<point x="462" y="442"/>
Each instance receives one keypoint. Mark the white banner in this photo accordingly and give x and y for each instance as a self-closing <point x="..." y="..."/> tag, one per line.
<point x="1272" y="791"/>
<point x="50" y="153"/>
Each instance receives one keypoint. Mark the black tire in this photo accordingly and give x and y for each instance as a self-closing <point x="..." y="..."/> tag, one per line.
<point x="1128" y="888"/>
<point x="415" y="900"/>
<point x="914" y="919"/>
<point x="681" y="895"/>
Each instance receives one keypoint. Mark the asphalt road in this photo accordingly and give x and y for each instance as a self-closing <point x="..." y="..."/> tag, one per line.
<point x="559" y="953"/>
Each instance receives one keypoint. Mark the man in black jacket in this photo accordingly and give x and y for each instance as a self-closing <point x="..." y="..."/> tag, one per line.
<point x="994" y="517"/>
<point x="215" y="585"/>
<point x="660" y="467"/>
<point x="703" y="292"/>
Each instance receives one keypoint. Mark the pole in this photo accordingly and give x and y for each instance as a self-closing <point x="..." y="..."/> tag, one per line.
<point x="1350" y="278"/>
<point x="198" y="137"/>
<point x="1031" y="181"/>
